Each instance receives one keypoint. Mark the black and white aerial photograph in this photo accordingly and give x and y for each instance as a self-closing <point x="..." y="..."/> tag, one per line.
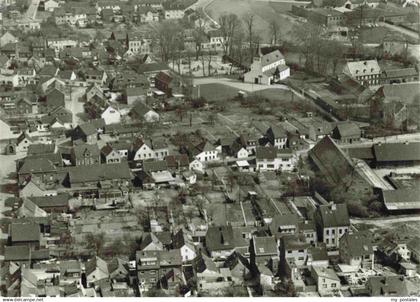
<point x="195" y="149"/>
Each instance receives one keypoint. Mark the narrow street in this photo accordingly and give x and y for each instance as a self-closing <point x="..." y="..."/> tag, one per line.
<point x="386" y="222"/>
<point x="248" y="87"/>
<point x="73" y="104"/>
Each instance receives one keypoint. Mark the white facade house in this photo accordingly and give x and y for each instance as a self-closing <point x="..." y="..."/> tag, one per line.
<point x="365" y="72"/>
<point x="138" y="45"/>
<point x="273" y="159"/>
<point x="174" y="14"/>
<point x="51" y="5"/>
<point x="242" y="153"/>
<point x="208" y="153"/>
<point x="197" y="166"/>
<point x="267" y="69"/>
<point x="188" y="252"/>
<point x="326" y="280"/>
<point x="144" y="152"/>
<point x="111" y="115"/>
<point x="61" y="43"/>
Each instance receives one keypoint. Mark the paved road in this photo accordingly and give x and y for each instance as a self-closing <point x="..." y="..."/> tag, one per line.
<point x="74" y="105"/>
<point x="385" y="222"/>
<point x="402" y="138"/>
<point x="248" y="87"/>
<point x="402" y="30"/>
<point x="287" y="1"/>
<point x="203" y="4"/>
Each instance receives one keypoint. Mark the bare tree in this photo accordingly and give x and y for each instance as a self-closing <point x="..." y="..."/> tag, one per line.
<point x="199" y="37"/>
<point x="249" y="24"/>
<point x="228" y="26"/>
<point x="166" y="37"/>
<point x="274" y="32"/>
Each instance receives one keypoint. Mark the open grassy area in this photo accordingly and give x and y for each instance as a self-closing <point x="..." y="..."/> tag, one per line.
<point x="216" y="92"/>
<point x="374" y="35"/>
<point x="264" y="13"/>
<point x="274" y="94"/>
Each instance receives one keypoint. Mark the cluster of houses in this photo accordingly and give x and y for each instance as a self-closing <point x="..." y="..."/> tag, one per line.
<point x="311" y="242"/>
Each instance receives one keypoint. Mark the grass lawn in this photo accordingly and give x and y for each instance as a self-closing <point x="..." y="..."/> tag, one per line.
<point x="373" y="35"/>
<point x="274" y="94"/>
<point x="217" y="92"/>
<point x="264" y="13"/>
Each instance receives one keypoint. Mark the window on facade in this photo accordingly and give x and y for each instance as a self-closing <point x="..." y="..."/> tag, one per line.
<point x="333" y="285"/>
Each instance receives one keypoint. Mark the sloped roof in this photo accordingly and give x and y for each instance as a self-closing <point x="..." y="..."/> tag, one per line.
<point x="35" y="149"/>
<point x="323" y="272"/>
<point x="25" y="232"/>
<point x="334" y="217"/>
<point x="358" y="244"/>
<point x="99" y="172"/>
<point x="37" y="165"/>
<point x="154" y="166"/>
<point x="268" y="153"/>
<point x="271" y="57"/>
<point x="265" y="245"/>
<point x="363" y="68"/>
<point x="59" y="200"/>
<point x="392" y="152"/>
<point x="331" y="160"/>
<point x="80" y="150"/>
<point x="348" y="129"/>
<point x="402" y="199"/>
<point x="219" y="238"/>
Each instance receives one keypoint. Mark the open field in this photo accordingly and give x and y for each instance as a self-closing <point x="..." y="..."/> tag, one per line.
<point x="264" y="13"/>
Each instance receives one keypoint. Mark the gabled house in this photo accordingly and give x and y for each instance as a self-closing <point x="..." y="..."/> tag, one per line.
<point x="265" y="252"/>
<point x="282" y="225"/>
<point x="277" y="137"/>
<point x="182" y="242"/>
<point x="357" y="250"/>
<point x="54" y="98"/>
<point x="85" y="155"/>
<point x="110" y="155"/>
<point x="346" y="132"/>
<point x="219" y="241"/>
<point x="332" y="223"/>
<point x="327" y="281"/>
<point x="294" y="250"/>
<point x="267" y="69"/>
<point x="28" y="234"/>
<point x="111" y="115"/>
<point x="143" y="112"/>
<point x="205" y="152"/>
<point x="365" y="72"/>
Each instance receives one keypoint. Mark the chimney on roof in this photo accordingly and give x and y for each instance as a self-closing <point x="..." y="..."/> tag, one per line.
<point x="333" y="206"/>
<point x="406" y="142"/>
<point x="365" y="62"/>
